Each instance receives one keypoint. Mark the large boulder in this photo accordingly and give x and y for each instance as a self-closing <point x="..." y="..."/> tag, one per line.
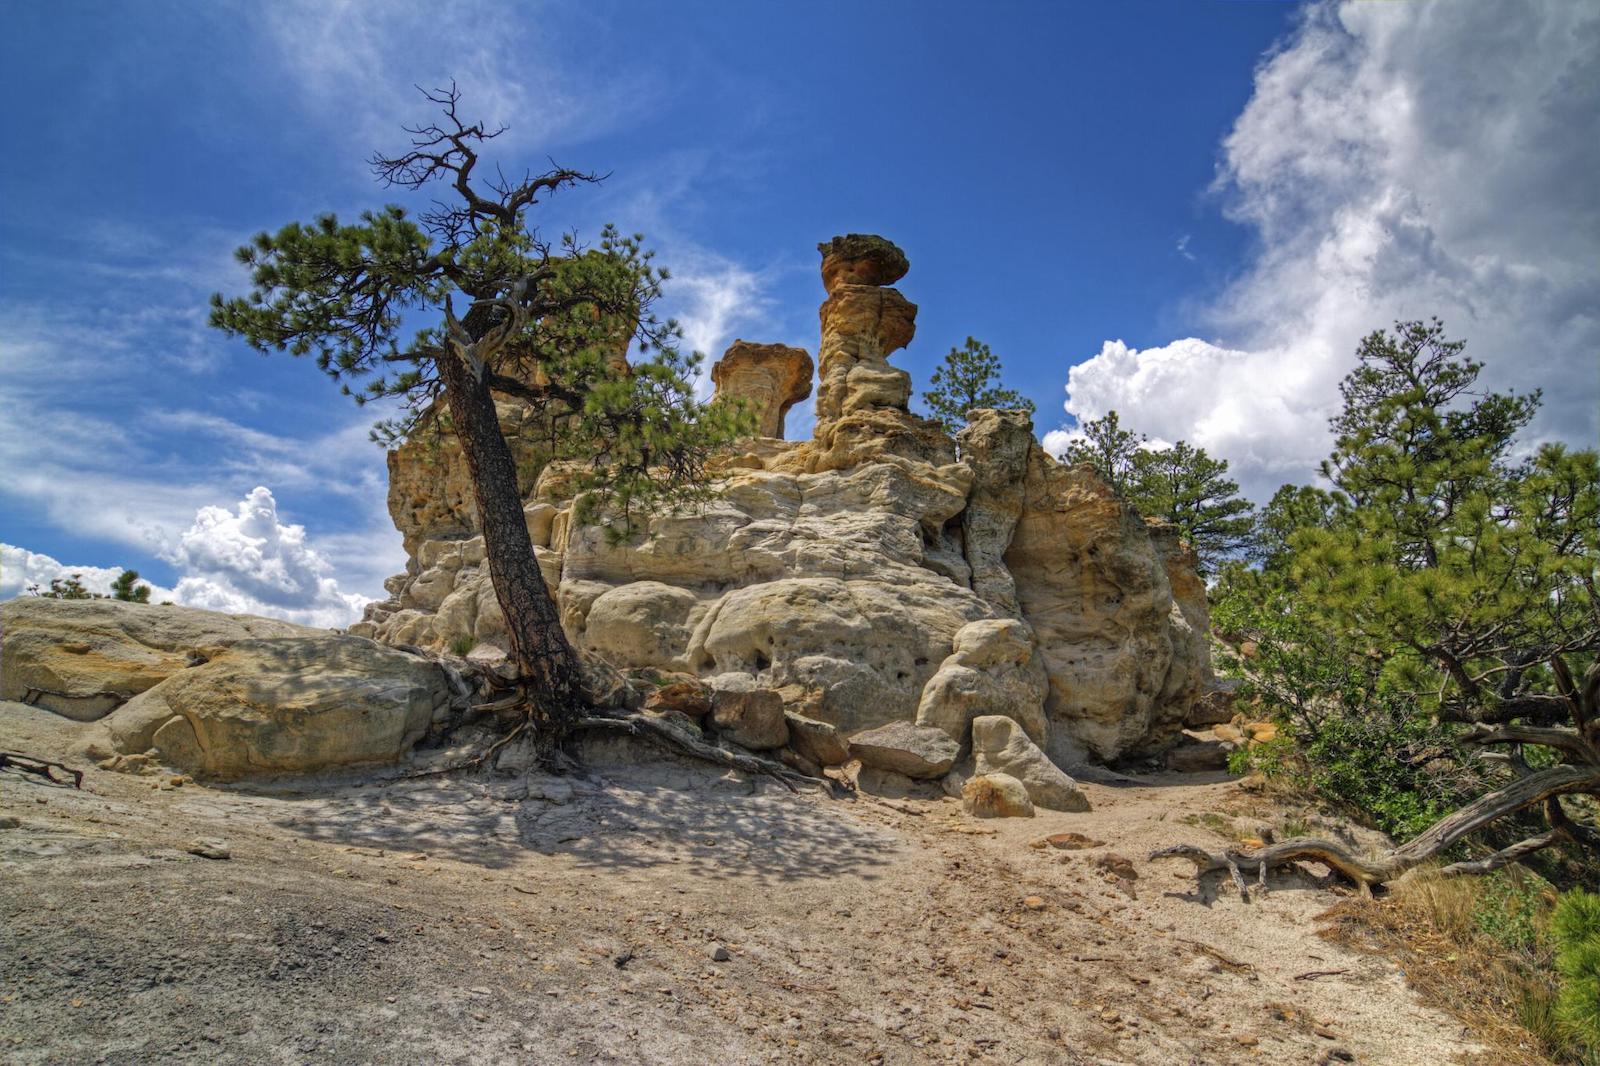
<point x="999" y="746"/>
<point x="992" y="670"/>
<point x="913" y="750"/>
<point x="285" y="705"/>
<point x="84" y="658"/>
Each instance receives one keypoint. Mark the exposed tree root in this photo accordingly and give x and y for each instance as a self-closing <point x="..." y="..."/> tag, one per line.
<point x="658" y="732"/>
<point x="1578" y="745"/>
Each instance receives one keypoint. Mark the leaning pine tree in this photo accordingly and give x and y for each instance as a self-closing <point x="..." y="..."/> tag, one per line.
<point x="493" y="309"/>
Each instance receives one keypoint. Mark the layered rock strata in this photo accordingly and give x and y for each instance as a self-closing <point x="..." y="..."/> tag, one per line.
<point x="887" y="583"/>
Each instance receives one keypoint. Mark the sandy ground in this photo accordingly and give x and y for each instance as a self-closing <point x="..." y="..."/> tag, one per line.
<point x="549" y="920"/>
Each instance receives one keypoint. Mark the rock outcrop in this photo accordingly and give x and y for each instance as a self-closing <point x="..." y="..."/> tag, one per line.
<point x="289" y="705"/>
<point x="888" y="583"/>
<point x="84" y="658"/>
<point x="769" y="378"/>
<point x="214" y="694"/>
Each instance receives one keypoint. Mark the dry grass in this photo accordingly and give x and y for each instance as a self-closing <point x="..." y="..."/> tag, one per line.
<point x="1431" y="926"/>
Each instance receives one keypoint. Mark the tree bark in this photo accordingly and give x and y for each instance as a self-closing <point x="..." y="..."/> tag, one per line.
<point x="545" y="659"/>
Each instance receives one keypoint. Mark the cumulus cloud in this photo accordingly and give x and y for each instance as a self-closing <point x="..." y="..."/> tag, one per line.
<point x="248" y="560"/>
<point x="1397" y="161"/>
<point x="21" y="569"/>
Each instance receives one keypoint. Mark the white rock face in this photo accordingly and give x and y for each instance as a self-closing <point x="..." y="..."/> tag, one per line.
<point x="867" y="576"/>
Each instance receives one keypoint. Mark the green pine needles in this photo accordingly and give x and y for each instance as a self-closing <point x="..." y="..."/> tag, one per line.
<point x="969" y="379"/>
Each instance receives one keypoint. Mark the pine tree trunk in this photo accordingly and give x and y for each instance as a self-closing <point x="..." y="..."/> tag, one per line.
<point x="539" y="647"/>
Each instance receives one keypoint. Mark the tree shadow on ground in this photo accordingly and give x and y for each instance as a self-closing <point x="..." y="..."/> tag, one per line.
<point x="639" y="816"/>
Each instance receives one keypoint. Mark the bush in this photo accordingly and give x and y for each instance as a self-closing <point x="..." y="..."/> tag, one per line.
<point x="1575" y="928"/>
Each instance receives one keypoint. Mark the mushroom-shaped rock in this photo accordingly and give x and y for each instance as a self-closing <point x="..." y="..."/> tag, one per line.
<point x="999" y="746"/>
<point x="861" y="259"/>
<point x="771" y="378"/>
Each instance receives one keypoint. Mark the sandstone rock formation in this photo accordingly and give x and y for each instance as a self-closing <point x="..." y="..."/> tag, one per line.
<point x="286" y="705"/>
<point x="879" y="574"/>
<point x="85" y="658"/>
<point x="770" y="378"/>
<point x="214" y="694"/>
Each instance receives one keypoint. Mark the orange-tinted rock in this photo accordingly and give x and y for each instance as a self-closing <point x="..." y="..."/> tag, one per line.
<point x="770" y="378"/>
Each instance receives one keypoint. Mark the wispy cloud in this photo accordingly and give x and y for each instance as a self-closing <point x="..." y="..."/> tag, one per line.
<point x="356" y="64"/>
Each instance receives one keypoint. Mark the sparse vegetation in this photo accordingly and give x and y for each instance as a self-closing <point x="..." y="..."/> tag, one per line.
<point x="968" y="379"/>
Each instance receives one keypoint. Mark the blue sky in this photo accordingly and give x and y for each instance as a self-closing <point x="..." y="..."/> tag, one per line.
<point x="1188" y="212"/>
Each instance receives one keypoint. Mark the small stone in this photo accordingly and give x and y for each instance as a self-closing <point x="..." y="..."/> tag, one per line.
<point x="718" y="952"/>
<point x="1246" y="1039"/>
<point x="210" y="848"/>
<point x="8" y="822"/>
<point x="1069" y="842"/>
<point x="1033" y="903"/>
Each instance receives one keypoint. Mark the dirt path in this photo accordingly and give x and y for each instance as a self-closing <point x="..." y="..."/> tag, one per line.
<point x="549" y="920"/>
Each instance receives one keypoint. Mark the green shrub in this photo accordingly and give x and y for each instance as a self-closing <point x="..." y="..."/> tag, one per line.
<point x="463" y="644"/>
<point x="1575" y="927"/>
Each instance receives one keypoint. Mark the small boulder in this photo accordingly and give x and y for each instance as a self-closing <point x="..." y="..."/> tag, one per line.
<point x="690" y="697"/>
<point x="1215" y="705"/>
<point x="996" y="796"/>
<point x="913" y="750"/>
<point x="999" y="745"/>
<point x="748" y="713"/>
<point x="817" y="741"/>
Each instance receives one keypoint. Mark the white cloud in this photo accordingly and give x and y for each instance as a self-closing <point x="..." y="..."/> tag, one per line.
<point x="20" y="569"/>
<point x="250" y="561"/>
<point x="712" y="299"/>
<point x="1397" y="161"/>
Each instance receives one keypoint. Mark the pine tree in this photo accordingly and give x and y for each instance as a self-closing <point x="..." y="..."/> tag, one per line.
<point x="1188" y="488"/>
<point x="968" y="380"/>
<point x="126" y="588"/>
<point x="1442" y="597"/>
<point x="1110" y="449"/>
<point x="502" y="313"/>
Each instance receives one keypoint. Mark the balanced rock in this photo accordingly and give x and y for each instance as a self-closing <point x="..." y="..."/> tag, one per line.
<point x="999" y="746"/>
<point x="996" y="796"/>
<point x="913" y="750"/>
<point x="861" y="259"/>
<point x="84" y="658"/>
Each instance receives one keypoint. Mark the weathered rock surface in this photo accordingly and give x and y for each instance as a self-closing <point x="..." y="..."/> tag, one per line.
<point x="996" y="796"/>
<point x="869" y="576"/>
<point x="284" y="705"/>
<point x="913" y="750"/>
<point x="84" y="658"/>
<point x="999" y="746"/>
<point x="1120" y="652"/>
<point x="747" y="713"/>
<point x="769" y="378"/>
